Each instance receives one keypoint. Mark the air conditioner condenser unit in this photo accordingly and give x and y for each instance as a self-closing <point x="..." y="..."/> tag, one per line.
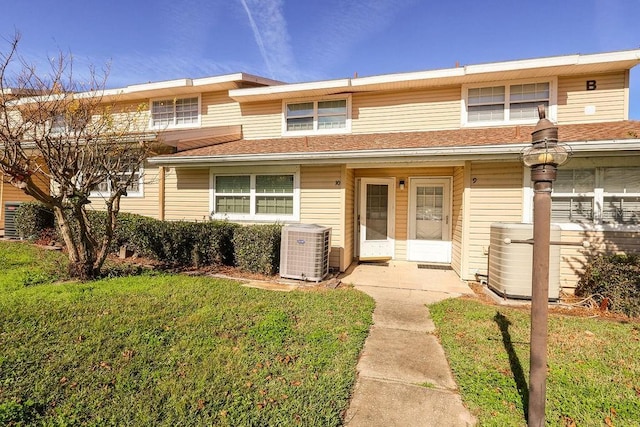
<point x="304" y="252"/>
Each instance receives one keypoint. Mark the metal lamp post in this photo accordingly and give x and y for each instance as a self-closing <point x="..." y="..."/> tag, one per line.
<point x="544" y="156"/>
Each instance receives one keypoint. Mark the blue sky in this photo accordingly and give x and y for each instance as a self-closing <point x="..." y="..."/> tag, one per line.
<point x="304" y="40"/>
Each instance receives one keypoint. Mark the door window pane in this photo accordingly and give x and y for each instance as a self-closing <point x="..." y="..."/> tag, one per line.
<point x="377" y="211"/>
<point x="429" y="212"/>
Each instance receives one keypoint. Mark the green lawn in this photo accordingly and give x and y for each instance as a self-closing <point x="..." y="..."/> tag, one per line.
<point x="594" y="365"/>
<point x="170" y="349"/>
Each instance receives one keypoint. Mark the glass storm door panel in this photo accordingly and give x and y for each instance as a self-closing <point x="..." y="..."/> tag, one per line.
<point x="376" y="218"/>
<point x="429" y="225"/>
<point x="377" y="211"/>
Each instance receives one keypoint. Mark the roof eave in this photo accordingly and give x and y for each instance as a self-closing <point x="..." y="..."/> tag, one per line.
<point x="539" y="67"/>
<point x="437" y="154"/>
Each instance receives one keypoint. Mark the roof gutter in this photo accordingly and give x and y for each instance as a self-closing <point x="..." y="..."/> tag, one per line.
<point x="438" y="154"/>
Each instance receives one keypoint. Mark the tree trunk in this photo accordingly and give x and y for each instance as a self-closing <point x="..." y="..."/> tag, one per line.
<point x="79" y="246"/>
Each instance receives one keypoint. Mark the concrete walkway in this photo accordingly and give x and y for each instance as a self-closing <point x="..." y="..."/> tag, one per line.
<point x="403" y="376"/>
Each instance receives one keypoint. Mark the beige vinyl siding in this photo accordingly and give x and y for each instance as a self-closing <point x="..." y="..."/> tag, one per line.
<point x="262" y="120"/>
<point x="415" y="110"/>
<point x="402" y="196"/>
<point x="9" y="193"/>
<point x="457" y="214"/>
<point x="349" y="198"/>
<point x="136" y="111"/>
<point x="186" y="194"/>
<point x="148" y="204"/>
<point x="218" y="109"/>
<point x="609" y="98"/>
<point x="322" y="203"/>
<point x="495" y="196"/>
<point x="573" y="259"/>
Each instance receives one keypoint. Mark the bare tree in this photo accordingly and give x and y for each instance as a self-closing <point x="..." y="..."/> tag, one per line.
<point x="74" y="136"/>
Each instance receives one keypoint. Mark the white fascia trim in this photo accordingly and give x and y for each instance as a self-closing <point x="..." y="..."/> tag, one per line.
<point x="466" y="153"/>
<point x="290" y="88"/>
<point x="554" y="61"/>
<point x="236" y="77"/>
<point x="405" y="77"/>
<point x="467" y="70"/>
<point x="180" y="83"/>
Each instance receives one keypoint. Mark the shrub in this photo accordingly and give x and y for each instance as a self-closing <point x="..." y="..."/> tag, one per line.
<point x="181" y="243"/>
<point x="257" y="248"/>
<point x="32" y="218"/>
<point x="616" y="278"/>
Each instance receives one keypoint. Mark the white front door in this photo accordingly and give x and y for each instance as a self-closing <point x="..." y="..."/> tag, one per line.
<point x="429" y="221"/>
<point x="376" y="216"/>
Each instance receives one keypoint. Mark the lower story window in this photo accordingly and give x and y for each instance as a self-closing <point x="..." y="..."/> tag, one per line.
<point x="134" y="189"/>
<point x="254" y="196"/>
<point x="608" y="195"/>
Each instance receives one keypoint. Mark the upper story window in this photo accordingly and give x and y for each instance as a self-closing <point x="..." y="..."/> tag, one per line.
<point x="175" y="112"/>
<point x="323" y="116"/>
<point x="608" y="195"/>
<point x="508" y="103"/>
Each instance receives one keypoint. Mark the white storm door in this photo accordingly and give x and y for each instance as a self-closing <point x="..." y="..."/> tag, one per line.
<point x="429" y="221"/>
<point x="377" y="213"/>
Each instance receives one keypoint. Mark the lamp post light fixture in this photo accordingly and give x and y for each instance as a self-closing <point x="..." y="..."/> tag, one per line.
<point x="544" y="156"/>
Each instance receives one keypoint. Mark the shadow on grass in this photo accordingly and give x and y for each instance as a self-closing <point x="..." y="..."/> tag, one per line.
<point x="514" y="362"/>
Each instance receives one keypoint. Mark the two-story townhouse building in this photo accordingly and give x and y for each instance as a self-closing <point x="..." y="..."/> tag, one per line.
<point x="417" y="166"/>
<point x="410" y="166"/>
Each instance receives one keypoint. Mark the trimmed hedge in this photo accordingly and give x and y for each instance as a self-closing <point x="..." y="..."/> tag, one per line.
<point x="32" y="218"/>
<point x="616" y="278"/>
<point x="257" y="248"/>
<point x="254" y="248"/>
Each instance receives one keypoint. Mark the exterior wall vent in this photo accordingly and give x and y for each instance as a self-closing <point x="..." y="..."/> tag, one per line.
<point x="510" y="261"/>
<point x="10" y="230"/>
<point x="304" y="252"/>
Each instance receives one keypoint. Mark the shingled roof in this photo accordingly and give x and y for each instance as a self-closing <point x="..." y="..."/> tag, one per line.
<point x="407" y="140"/>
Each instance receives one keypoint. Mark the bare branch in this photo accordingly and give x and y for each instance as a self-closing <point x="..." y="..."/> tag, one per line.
<point x="61" y="140"/>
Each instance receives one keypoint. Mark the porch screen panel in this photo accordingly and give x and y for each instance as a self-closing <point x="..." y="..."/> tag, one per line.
<point x="233" y="194"/>
<point x="621" y="195"/>
<point x="573" y="195"/>
<point x="377" y="212"/>
<point x="429" y="212"/>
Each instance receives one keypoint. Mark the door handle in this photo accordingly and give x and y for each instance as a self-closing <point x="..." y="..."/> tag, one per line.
<point x="446" y="220"/>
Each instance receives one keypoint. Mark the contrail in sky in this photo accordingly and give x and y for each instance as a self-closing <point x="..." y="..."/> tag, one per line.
<point x="258" y="37"/>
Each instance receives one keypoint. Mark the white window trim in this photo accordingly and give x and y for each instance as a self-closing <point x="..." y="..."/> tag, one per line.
<point x="252" y="172"/>
<point x="597" y="196"/>
<point x="131" y="194"/>
<point x="175" y="126"/>
<point x="316" y="131"/>
<point x="552" y="113"/>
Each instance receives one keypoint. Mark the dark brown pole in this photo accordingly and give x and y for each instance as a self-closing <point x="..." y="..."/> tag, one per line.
<point x="540" y="294"/>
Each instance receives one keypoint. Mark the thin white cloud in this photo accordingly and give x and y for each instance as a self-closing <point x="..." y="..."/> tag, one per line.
<point x="269" y="28"/>
<point x="344" y="26"/>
